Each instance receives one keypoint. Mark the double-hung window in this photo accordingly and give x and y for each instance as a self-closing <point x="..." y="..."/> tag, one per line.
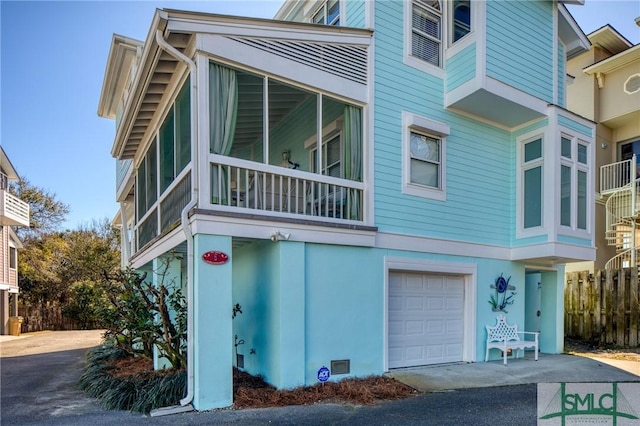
<point x="328" y="14"/>
<point x="426" y="31"/>
<point x="424" y="156"/>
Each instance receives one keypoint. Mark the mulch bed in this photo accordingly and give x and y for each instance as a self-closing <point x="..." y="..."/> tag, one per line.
<point x="253" y="392"/>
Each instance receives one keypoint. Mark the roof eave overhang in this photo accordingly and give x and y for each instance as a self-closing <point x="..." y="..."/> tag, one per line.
<point x="574" y="39"/>
<point x="149" y="51"/>
<point x="174" y="22"/>
<point x="121" y="57"/>
<point x="6" y="167"/>
<point x="615" y="62"/>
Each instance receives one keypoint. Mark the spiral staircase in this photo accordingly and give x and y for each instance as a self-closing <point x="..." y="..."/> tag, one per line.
<point x="620" y="189"/>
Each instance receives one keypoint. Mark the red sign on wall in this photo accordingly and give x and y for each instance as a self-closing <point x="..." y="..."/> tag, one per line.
<point x="215" y="257"/>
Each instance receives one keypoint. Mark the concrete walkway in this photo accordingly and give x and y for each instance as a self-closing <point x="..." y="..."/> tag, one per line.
<point x="548" y="369"/>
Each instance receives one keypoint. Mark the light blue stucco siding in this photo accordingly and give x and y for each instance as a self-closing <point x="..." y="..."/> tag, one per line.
<point x="478" y="166"/>
<point x="212" y="328"/>
<point x="355" y="11"/>
<point x="269" y="287"/>
<point x="344" y="309"/>
<point x="520" y="43"/>
<point x="461" y="67"/>
<point x="576" y="126"/>
<point x="305" y="305"/>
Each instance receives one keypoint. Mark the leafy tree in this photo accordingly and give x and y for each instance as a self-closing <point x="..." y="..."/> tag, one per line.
<point x="86" y="301"/>
<point x="143" y="315"/>
<point x="46" y="213"/>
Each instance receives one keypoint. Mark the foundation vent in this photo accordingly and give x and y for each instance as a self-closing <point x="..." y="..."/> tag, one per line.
<point x="340" y="366"/>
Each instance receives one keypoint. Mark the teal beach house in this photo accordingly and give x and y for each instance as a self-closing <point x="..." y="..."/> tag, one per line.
<point x="358" y="176"/>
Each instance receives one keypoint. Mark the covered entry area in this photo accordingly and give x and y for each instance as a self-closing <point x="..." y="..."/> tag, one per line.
<point x="430" y="313"/>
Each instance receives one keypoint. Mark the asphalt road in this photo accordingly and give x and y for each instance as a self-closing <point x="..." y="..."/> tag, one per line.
<point x="39" y="372"/>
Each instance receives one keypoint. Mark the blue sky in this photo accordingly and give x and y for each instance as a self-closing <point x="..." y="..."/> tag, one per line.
<point x="53" y="57"/>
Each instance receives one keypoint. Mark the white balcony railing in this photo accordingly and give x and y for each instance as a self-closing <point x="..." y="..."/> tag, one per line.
<point x="256" y="188"/>
<point x="13" y="211"/>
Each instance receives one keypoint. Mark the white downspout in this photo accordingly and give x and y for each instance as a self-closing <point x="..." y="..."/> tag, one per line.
<point x="186" y="227"/>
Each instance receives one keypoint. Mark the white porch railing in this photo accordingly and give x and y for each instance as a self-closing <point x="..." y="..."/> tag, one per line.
<point x="241" y="185"/>
<point x="13" y="211"/>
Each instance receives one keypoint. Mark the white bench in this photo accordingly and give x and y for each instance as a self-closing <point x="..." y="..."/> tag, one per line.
<point x="504" y="337"/>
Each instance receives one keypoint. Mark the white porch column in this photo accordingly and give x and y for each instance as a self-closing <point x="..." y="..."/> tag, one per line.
<point x="291" y="345"/>
<point x="212" y="327"/>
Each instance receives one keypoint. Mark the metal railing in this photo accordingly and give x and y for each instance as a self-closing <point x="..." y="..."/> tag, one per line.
<point x="615" y="176"/>
<point x="263" y="189"/>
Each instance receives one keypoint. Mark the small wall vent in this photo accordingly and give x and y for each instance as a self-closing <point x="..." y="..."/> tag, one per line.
<point x="239" y="361"/>
<point x="340" y="366"/>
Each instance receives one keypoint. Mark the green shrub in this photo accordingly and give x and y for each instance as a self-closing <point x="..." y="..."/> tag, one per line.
<point x="141" y="392"/>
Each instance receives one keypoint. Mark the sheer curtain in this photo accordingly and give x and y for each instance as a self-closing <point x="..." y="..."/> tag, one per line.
<point x="353" y="156"/>
<point x="223" y="112"/>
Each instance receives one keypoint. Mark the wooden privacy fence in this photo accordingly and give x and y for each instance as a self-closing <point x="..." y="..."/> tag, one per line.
<point x="603" y="308"/>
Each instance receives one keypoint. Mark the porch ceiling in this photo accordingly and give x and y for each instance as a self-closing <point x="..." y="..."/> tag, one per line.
<point x="155" y="88"/>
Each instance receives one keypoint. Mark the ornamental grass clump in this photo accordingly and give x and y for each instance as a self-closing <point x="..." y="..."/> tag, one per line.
<point x="123" y="382"/>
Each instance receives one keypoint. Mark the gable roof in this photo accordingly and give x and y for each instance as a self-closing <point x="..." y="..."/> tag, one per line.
<point x="6" y="167"/>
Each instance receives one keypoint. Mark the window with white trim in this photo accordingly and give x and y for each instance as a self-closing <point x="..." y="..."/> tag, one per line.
<point x="13" y="258"/>
<point x="426" y="31"/>
<point x="460" y="20"/>
<point x="331" y="155"/>
<point x="328" y="13"/>
<point x="424" y="157"/>
<point x="574" y="173"/>
<point x="531" y="169"/>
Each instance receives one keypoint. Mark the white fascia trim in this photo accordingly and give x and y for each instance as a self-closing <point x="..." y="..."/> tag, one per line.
<point x="225" y="50"/>
<point x="263" y="229"/>
<point x="470" y="273"/>
<point x="393" y="241"/>
<point x="276" y="31"/>
<point x="160" y="247"/>
<point x="554" y="249"/>
<point x="514" y="95"/>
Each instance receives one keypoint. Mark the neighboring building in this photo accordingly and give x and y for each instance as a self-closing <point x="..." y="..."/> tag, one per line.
<point x="370" y="181"/>
<point x="13" y="212"/>
<point x="606" y="89"/>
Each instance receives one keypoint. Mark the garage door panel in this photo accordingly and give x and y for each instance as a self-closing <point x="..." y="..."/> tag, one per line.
<point x="425" y="319"/>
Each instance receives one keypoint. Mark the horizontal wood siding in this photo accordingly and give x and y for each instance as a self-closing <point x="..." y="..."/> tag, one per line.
<point x="461" y="67"/>
<point x="479" y="157"/>
<point x="520" y="45"/>
<point x="574" y="125"/>
<point x="355" y="13"/>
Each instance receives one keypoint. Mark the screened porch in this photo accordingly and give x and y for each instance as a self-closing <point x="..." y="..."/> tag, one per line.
<point x="277" y="149"/>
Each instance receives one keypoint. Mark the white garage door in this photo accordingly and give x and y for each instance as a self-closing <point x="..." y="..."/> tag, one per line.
<point x="425" y="319"/>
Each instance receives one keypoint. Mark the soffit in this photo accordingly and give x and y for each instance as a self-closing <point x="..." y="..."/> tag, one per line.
<point x="615" y="62"/>
<point x="609" y="39"/>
